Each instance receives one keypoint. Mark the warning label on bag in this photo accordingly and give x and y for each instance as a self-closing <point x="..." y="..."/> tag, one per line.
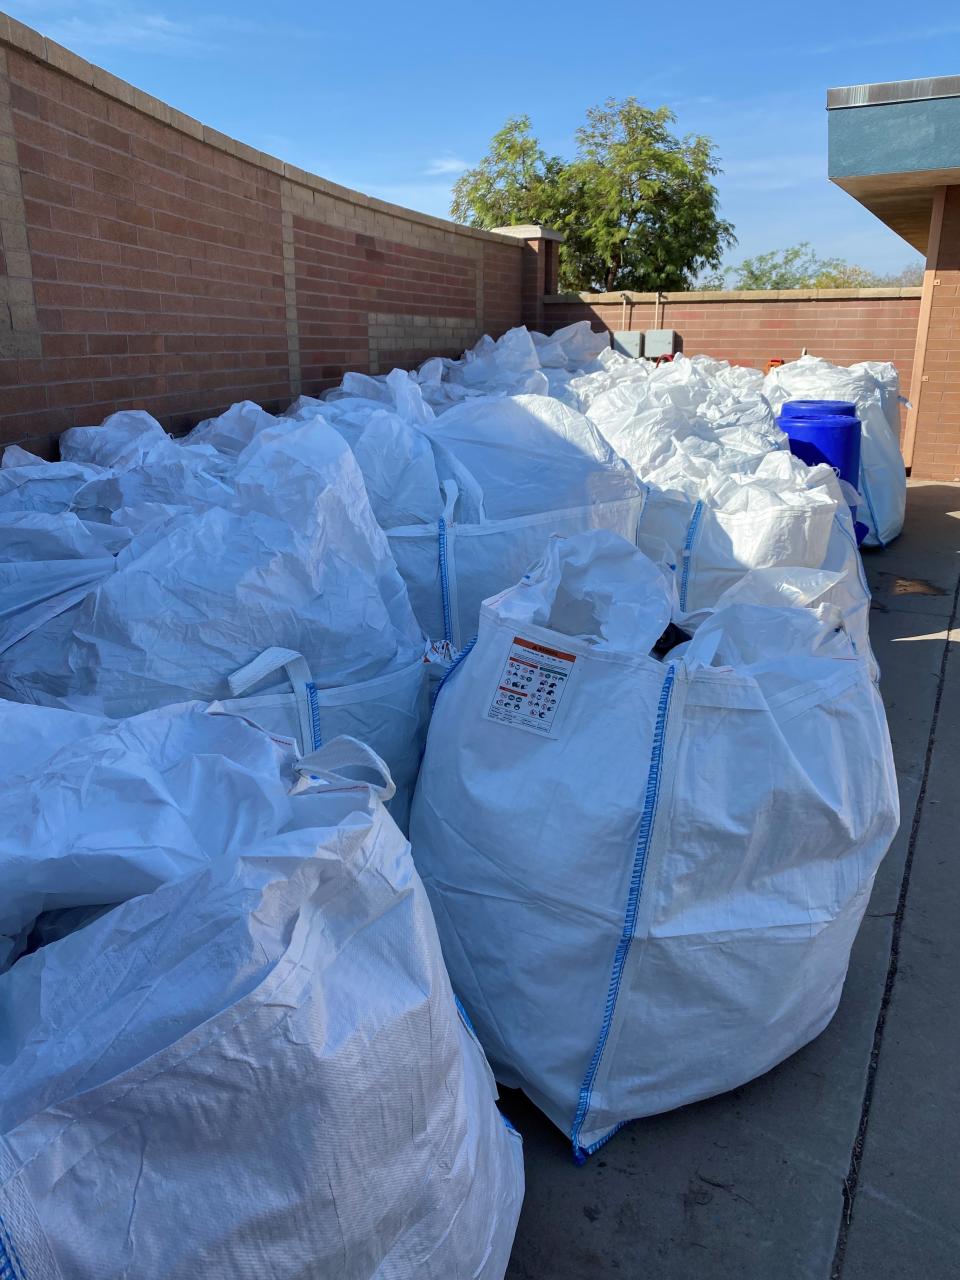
<point x="531" y="686"/>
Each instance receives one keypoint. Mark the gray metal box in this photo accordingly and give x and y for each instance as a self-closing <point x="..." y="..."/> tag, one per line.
<point x="629" y="342"/>
<point x="661" y="342"/>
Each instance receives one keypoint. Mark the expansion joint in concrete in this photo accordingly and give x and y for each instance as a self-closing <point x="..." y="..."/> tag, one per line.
<point x="852" y="1179"/>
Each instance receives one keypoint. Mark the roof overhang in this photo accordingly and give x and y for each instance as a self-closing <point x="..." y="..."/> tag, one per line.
<point x="892" y="145"/>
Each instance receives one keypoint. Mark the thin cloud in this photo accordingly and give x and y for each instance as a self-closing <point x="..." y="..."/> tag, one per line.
<point x="427" y="197"/>
<point x="774" y="172"/>
<point x="914" y="35"/>
<point x="114" y="24"/>
<point x="682" y="103"/>
<point x="446" y="165"/>
<point x="118" y="30"/>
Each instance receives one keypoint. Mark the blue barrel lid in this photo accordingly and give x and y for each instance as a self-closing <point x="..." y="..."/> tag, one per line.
<point x="818" y="409"/>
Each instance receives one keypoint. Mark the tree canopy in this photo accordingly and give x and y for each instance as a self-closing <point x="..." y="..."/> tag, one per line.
<point x="637" y="203"/>
<point x="800" y="267"/>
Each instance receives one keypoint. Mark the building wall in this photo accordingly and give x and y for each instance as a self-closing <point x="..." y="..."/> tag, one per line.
<point x="147" y="261"/>
<point x="936" y="392"/>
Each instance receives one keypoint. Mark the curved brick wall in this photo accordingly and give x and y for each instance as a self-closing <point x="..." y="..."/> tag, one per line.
<point x="148" y="261"/>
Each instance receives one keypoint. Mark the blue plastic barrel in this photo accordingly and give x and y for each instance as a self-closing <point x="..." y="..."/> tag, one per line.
<point x="818" y="409"/>
<point x="825" y="431"/>
<point x="834" y="440"/>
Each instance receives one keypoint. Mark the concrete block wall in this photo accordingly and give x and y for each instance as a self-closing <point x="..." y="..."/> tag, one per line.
<point x="147" y="261"/>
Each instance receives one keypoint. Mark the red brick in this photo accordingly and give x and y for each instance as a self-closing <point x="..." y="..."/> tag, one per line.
<point x="108" y="344"/>
<point x="16" y="399"/>
<point x="22" y="100"/>
<point x="112" y="184"/>
<point x="109" y="136"/>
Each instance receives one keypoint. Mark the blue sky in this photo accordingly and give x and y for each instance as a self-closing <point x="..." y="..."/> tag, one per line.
<point x="395" y="99"/>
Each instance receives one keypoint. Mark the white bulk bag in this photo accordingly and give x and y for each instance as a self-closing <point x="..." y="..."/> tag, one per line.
<point x="781" y="515"/>
<point x="660" y="440"/>
<point x="770" y="516"/>
<point x="726" y="496"/>
<point x="886" y="374"/>
<point x="122" y="440"/>
<point x="298" y="560"/>
<point x="151" y="492"/>
<point x="398" y="463"/>
<point x="255" y="1069"/>
<point x="573" y="347"/>
<point x="613" y="368"/>
<point x="452" y="567"/>
<point x="106" y="810"/>
<point x="27" y="483"/>
<point x="389" y="713"/>
<point x="234" y="429"/>
<point x="14" y="455"/>
<point x="468" y="499"/>
<point x="32" y="735"/>
<point x="883" y="484"/>
<point x="647" y="885"/>
<point x="529" y="454"/>
<point x="47" y="563"/>
<point x="508" y="366"/>
<point x="535" y="468"/>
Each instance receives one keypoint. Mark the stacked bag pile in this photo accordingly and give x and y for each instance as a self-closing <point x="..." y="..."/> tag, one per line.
<point x="720" y="492"/>
<point x="141" y="572"/>
<point x="655" y="791"/>
<point x="467" y="490"/>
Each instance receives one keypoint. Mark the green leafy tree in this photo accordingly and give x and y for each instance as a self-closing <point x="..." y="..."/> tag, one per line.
<point x="637" y="204"/>
<point x="515" y="182"/>
<point x="905" y="278"/>
<point x="794" y="268"/>
<point x="712" y="280"/>
<point x="801" y="268"/>
<point x="834" y="273"/>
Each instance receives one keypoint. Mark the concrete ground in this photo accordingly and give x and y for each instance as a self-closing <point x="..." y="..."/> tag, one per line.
<point x="845" y="1160"/>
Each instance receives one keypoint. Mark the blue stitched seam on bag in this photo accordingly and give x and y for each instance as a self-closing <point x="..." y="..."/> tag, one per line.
<point x="464" y="1016"/>
<point x="688" y="554"/>
<point x="11" y="1268"/>
<point x="444" y="580"/>
<point x="510" y="1126"/>
<point x="314" y="725"/>
<point x="651" y="797"/>
<point x="464" y="652"/>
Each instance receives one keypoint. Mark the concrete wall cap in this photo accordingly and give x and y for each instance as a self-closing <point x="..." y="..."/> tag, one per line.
<point x="530" y="231"/>
<point x="736" y="295"/>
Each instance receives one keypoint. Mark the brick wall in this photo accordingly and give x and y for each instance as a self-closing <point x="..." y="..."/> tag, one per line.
<point x="748" y="328"/>
<point x="937" y="391"/>
<point x="147" y="261"/>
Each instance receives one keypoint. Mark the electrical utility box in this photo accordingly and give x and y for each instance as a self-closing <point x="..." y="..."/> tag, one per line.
<point x="661" y="342"/>
<point x="629" y="342"/>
